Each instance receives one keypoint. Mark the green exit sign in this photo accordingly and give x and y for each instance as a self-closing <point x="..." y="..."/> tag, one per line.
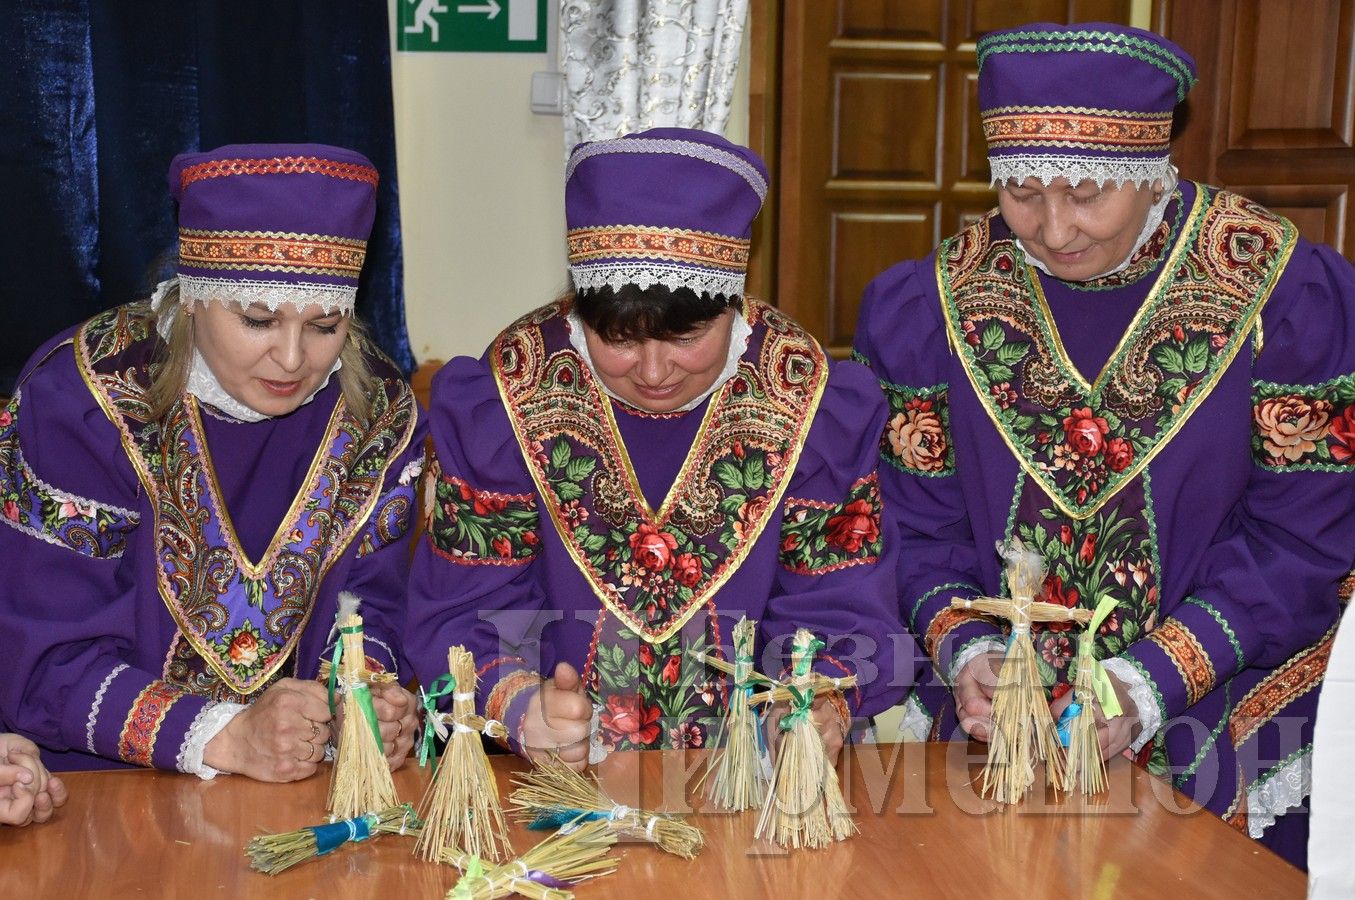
<point x="473" y="26"/>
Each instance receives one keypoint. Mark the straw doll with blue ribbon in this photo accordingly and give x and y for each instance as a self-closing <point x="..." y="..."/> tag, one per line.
<point x="272" y="854"/>
<point x="1024" y="732"/>
<point x="1086" y="767"/>
<point x="461" y="806"/>
<point x="361" y="782"/>
<point x="553" y="795"/>
<point x="804" y="807"/>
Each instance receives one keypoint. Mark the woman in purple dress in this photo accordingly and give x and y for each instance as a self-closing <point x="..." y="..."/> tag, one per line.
<point x="189" y="483"/>
<point x="628" y="470"/>
<point x="1149" y="381"/>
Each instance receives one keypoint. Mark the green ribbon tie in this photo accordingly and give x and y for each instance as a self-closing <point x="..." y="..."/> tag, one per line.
<point x="801" y="703"/>
<point x="1105" y="689"/>
<point x="474" y="871"/>
<point x="442" y="686"/>
<point x="334" y="664"/>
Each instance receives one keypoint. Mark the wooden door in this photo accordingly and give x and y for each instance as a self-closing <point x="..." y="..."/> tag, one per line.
<point x="881" y="153"/>
<point x="1271" y="117"/>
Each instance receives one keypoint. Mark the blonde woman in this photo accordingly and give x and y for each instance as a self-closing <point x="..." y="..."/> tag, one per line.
<point x="189" y="484"/>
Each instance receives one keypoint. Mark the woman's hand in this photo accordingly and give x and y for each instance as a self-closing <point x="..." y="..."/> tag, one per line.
<point x="557" y="720"/>
<point x="974" y="689"/>
<point x="397" y="714"/>
<point x="28" y="792"/>
<point x="279" y="737"/>
<point x="1115" y="735"/>
<point x="826" y="720"/>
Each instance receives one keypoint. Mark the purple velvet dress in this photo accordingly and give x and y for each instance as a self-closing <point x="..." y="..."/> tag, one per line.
<point x="567" y="526"/>
<point x="1204" y="478"/>
<point x="155" y="569"/>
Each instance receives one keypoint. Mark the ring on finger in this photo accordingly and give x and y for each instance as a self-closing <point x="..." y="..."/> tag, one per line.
<point x="399" y="728"/>
<point x="315" y="730"/>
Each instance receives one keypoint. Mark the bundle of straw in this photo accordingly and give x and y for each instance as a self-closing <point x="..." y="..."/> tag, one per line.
<point x="274" y="853"/>
<point x="367" y="675"/>
<point x="460" y="809"/>
<point x="552" y="794"/>
<point x="1023" y="730"/>
<point x="545" y="872"/>
<point x="739" y="770"/>
<point x="361" y="780"/>
<point x="804" y="807"/>
<point x="1086" y="769"/>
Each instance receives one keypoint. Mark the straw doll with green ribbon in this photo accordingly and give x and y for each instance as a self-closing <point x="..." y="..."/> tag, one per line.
<point x="361" y="782"/>
<point x="804" y="807"/>
<point x="461" y="807"/>
<point x="1086" y="767"/>
<point x="1023" y="729"/>
<point x="739" y="771"/>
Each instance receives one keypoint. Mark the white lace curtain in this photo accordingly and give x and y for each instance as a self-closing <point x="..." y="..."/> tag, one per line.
<point x="636" y="64"/>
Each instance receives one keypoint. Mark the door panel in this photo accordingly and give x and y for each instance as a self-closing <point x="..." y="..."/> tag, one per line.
<point x="1282" y="140"/>
<point x="881" y="153"/>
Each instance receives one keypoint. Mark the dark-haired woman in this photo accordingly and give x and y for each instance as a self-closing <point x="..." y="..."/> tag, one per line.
<point x="630" y="469"/>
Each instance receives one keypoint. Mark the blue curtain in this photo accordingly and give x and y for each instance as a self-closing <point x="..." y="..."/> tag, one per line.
<point x="96" y="97"/>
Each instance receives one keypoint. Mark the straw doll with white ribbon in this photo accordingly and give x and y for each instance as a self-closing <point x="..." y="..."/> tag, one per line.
<point x="461" y="806"/>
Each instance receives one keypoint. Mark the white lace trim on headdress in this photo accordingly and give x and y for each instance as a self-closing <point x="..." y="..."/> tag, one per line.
<point x="732" y="161"/>
<point x="646" y="275"/>
<point x="1141" y="694"/>
<point x="207" y="724"/>
<point x="1046" y="167"/>
<point x="739" y="332"/>
<point x="329" y="297"/>
<point x="202" y="382"/>
<point x="1280" y="792"/>
<point x="1154" y="219"/>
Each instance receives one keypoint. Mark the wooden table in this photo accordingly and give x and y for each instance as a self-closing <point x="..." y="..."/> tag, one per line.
<point x="924" y="833"/>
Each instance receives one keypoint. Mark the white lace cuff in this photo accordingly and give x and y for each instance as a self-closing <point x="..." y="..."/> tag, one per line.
<point x="987" y="645"/>
<point x="1280" y="791"/>
<point x="207" y="725"/>
<point x="1141" y="695"/>
<point x="916" y="725"/>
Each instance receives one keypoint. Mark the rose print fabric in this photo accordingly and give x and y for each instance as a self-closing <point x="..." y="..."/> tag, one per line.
<point x="1176" y="441"/>
<point x="657" y="532"/>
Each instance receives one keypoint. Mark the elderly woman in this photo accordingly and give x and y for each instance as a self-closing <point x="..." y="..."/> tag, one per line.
<point x="189" y="483"/>
<point x="1150" y="382"/>
<point x="630" y="469"/>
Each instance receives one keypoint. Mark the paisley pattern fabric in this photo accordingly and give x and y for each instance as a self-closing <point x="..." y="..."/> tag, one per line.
<point x="653" y="569"/>
<point x="1083" y="440"/>
<point x="239" y="620"/>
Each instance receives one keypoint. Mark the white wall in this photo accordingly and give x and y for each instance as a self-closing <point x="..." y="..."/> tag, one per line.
<point x="481" y="194"/>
